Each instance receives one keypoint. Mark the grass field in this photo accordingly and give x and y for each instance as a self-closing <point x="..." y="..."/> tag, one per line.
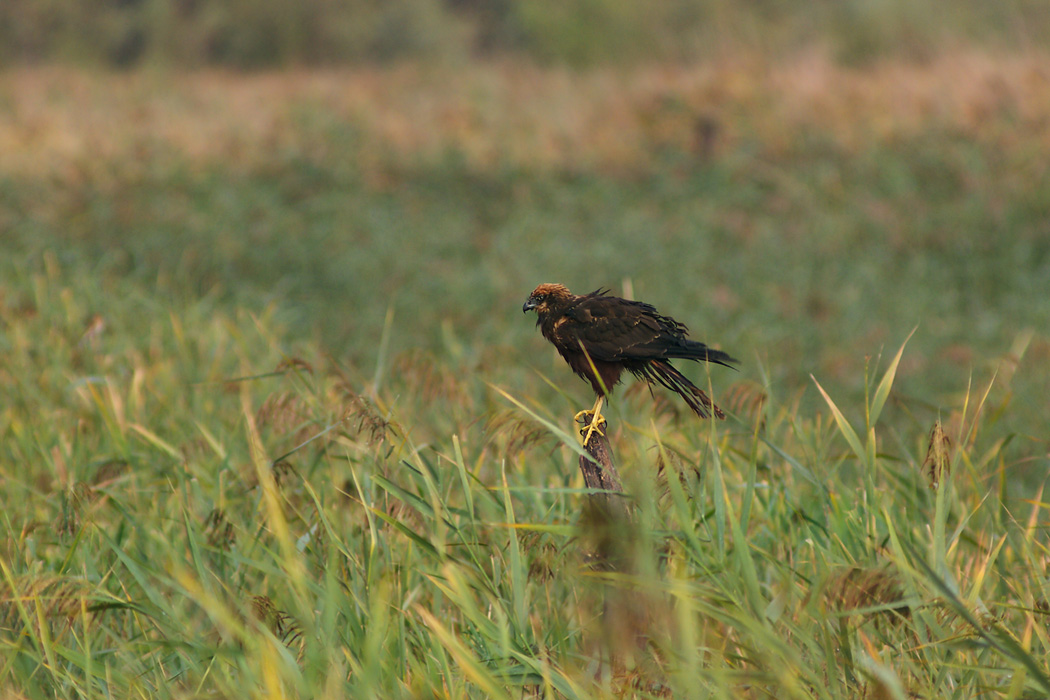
<point x="273" y="424"/>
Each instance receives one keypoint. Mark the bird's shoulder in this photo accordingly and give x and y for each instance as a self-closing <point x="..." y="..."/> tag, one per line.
<point x="608" y="325"/>
<point x="598" y="307"/>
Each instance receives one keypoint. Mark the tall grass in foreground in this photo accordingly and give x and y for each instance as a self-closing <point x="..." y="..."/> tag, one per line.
<point x="194" y="506"/>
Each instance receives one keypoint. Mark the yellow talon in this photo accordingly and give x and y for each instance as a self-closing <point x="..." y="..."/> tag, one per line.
<point x="595" y="426"/>
<point x="593" y="420"/>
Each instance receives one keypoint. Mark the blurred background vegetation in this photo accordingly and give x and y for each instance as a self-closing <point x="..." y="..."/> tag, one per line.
<point x="269" y="33"/>
<point x="802" y="183"/>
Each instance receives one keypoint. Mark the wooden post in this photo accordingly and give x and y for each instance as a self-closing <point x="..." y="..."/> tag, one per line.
<point x="606" y="516"/>
<point x="607" y="528"/>
<point x="599" y="472"/>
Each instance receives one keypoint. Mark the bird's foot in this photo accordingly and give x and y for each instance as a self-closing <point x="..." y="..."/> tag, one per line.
<point x="592" y="424"/>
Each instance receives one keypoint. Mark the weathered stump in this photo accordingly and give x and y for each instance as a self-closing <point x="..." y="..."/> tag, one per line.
<point x="606" y="514"/>
<point x="599" y="472"/>
<point x="607" y="526"/>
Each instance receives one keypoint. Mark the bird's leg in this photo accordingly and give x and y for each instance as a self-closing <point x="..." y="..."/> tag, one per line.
<point x="584" y="417"/>
<point x="596" y="422"/>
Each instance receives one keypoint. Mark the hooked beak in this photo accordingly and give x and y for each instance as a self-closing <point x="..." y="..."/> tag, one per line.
<point x="529" y="305"/>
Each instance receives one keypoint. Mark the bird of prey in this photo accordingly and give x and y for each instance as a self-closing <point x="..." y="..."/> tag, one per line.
<point x="600" y="336"/>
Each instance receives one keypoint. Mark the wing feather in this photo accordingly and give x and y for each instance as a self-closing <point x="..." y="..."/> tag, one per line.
<point x="608" y="328"/>
<point x="611" y="329"/>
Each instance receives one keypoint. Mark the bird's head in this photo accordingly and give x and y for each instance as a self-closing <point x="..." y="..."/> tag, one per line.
<point x="545" y="296"/>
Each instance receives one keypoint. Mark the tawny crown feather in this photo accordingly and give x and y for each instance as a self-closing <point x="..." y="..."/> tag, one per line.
<point x="551" y="289"/>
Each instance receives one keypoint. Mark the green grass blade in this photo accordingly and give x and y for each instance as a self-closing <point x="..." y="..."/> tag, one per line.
<point x="996" y="637"/>
<point x="565" y="438"/>
<point x="517" y="571"/>
<point x="883" y="390"/>
<point x="844" y="427"/>
<point x="467" y="662"/>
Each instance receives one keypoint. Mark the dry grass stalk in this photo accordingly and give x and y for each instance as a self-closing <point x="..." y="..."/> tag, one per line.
<point x="937" y="464"/>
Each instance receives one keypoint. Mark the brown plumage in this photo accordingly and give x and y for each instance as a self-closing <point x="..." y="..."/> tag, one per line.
<point x="600" y="336"/>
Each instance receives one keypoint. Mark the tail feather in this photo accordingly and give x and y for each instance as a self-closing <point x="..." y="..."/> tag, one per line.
<point x="693" y="350"/>
<point x="667" y="376"/>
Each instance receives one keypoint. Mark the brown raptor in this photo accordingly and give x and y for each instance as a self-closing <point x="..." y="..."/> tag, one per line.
<point x="600" y="336"/>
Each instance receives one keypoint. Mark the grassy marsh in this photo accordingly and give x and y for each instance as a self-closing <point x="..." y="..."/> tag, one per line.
<point x="258" y="336"/>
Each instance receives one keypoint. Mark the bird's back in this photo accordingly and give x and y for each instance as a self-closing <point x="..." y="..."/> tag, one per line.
<point x="612" y="329"/>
